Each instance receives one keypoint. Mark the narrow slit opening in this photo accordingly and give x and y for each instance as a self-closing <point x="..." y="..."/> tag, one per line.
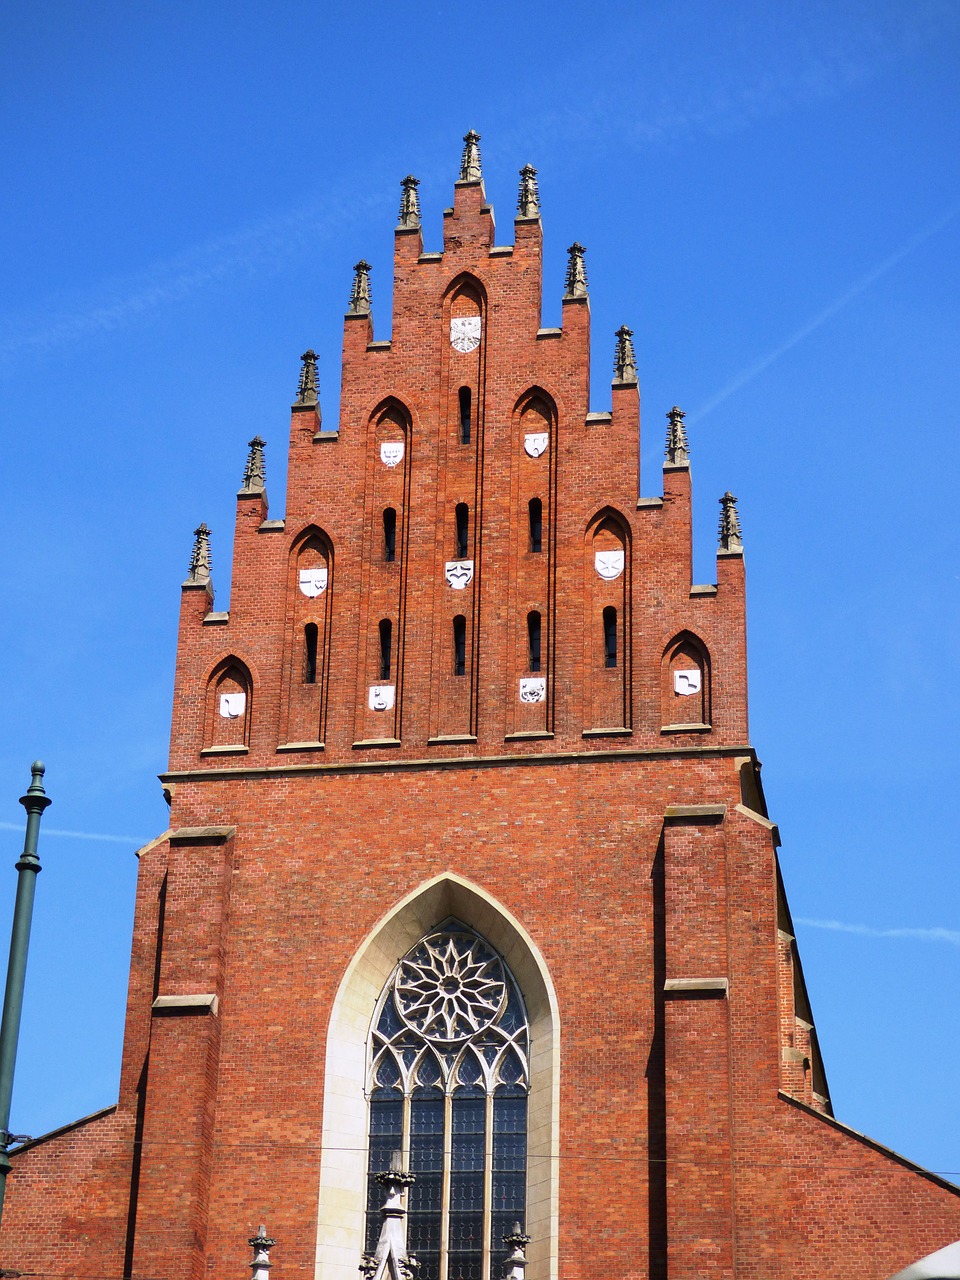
<point x="463" y="530"/>
<point x="610" y="636"/>
<point x="465" y="398"/>
<point x="459" y="645"/>
<point x="535" y="508"/>
<point x="310" y="636"/>
<point x="389" y="534"/>
<point x="533" y="641"/>
<point x="386" y="645"/>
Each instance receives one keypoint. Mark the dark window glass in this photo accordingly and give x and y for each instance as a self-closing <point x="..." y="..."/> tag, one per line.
<point x="467" y="1142"/>
<point x="386" y="1136"/>
<point x="464" y="397"/>
<point x="423" y="1197"/>
<point x="509" y="1161"/>
<point x="536" y="524"/>
<point x="463" y="530"/>
<point x="310" y="634"/>
<point x="533" y="641"/>
<point x="386" y="646"/>
<point x="390" y="534"/>
<point x="459" y="645"/>
<point x="610" y="636"/>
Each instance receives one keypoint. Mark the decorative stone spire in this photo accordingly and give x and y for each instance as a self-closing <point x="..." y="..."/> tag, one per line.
<point x="261" y="1244"/>
<point x="516" y="1262"/>
<point x="200" y="557"/>
<point x="528" y="201"/>
<point x="309" y="387"/>
<point x="470" y="160"/>
<point x="391" y="1260"/>
<point x="625" y="360"/>
<point x="254" y="473"/>
<point x="576" y="272"/>
<point x="677" y="453"/>
<point x="360" y="293"/>
<point x="730" y="539"/>
<point x="409" y="204"/>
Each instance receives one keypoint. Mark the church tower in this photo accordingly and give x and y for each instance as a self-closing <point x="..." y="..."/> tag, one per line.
<point x="468" y="856"/>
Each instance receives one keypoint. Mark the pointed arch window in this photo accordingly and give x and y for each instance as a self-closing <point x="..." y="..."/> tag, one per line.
<point x="448" y="1081"/>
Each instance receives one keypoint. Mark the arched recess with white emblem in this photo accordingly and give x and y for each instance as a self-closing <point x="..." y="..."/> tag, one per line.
<point x="685" y="685"/>
<point x="306" y="665"/>
<point x="228" y="707"/>
<point x="340" y="1237"/>
<point x="532" y="578"/>
<point x="390" y="449"/>
<point x="606" y="624"/>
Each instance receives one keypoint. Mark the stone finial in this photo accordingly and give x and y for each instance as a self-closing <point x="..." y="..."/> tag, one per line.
<point x="730" y="539"/>
<point x="677" y="453"/>
<point x="576" y="272"/>
<point x="261" y="1244"/>
<point x="470" y="160"/>
<point x="528" y="201"/>
<point x="516" y="1262"/>
<point x="391" y="1261"/>
<point x="254" y="473"/>
<point x="625" y="360"/>
<point x="200" y="556"/>
<point x="360" y="293"/>
<point x="409" y="203"/>
<point x="309" y="387"/>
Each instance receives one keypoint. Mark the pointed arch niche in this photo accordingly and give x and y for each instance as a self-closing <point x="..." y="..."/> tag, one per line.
<point x="606" y="625"/>
<point x="307" y="641"/>
<point x="685" y="685"/>
<point x="227" y="713"/>
<point x="340" y="1235"/>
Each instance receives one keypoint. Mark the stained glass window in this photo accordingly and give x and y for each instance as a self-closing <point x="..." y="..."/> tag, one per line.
<point x="448" y="1084"/>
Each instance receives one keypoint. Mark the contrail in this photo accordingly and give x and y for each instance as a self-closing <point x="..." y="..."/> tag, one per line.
<point x="136" y="841"/>
<point x="860" y="286"/>
<point x="866" y="931"/>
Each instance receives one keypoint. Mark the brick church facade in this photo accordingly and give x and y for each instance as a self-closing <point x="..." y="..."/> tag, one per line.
<point x="468" y="858"/>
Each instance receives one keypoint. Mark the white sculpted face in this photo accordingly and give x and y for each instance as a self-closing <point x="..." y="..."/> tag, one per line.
<point x="533" y="689"/>
<point x="609" y="564"/>
<point x="459" y="573"/>
<point x="536" y="442"/>
<point x="391" y="452"/>
<point x="687" y="681"/>
<point x="313" y="582"/>
<point x="465" y="333"/>
<point x="232" y="705"/>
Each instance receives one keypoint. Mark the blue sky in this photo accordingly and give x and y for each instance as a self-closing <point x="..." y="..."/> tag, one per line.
<point x="770" y="198"/>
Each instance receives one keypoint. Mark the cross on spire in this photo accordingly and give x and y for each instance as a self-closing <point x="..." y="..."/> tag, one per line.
<point x="528" y="200"/>
<point x="576" y="272"/>
<point x="470" y="170"/>
<point x="309" y="386"/>
<point x="677" y="452"/>
<point x="625" y="360"/>
<point x="360" y="293"/>
<point x="730" y="537"/>
<point x="254" y="473"/>
<point x="409" y="203"/>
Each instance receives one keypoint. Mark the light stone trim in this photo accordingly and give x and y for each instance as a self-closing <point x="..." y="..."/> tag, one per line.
<point x="649" y="504"/>
<point x="216" y="619"/>
<point x="186" y="1004"/>
<point x="344" y="1140"/>
<point x="272" y="526"/>
<point x="696" y="986"/>
<point x="704" y="589"/>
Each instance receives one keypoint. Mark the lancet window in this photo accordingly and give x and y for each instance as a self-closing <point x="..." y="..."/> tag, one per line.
<point x="448" y="1084"/>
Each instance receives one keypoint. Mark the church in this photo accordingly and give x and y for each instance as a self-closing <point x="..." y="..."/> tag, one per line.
<point x="466" y="955"/>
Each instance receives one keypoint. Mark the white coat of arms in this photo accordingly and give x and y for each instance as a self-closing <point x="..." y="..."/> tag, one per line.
<point x="459" y="573"/>
<point x="609" y="564"/>
<point x="382" y="697"/>
<point x="535" y="443"/>
<point x="391" y="452"/>
<point x="232" y="705"/>
<point x="313" y="582"/>
<point x="687" y="681"/>
<point x="465" y="333"/>
<point x="534" y="690"/>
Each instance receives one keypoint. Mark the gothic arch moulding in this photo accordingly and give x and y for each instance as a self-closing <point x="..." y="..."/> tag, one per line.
<point x="310" y="589"/>
<point x="685" y="684"/>
<point x="607" y="624"/>
<point x="343" y="1158"/>
<point x="229" y="706"/>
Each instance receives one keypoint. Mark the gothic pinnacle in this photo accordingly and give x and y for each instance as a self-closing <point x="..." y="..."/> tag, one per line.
<point x="309" y="386"/>
<point x="254" y="473"/>
<point x="528" y="201"/>
<point x="625" y="360"/>
<point x="576" y="272"/>
<point x="360" y="293"/>
<point x="200" y="556"/>
<point x="730" y="539"/>
<point x="470" y="160"/>
<point x="409" y="204"/>
<point x="677" y="453"/>
<point x="516" y="1241"/>
<point x="261" y="1244"/>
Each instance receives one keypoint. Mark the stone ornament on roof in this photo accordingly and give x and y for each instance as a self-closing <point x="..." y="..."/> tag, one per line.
<point x="516" y="1242"/>
<point x="200" y="556"/>
<point x="360" y="293"/>
<point x="409" y="204"/>
<point x="528" y="199"/>
<point x="309" y="386"/>
<point x="625" y="360"/>
<point x="677" y="452"/>
<point x="254" y="473"/>
<point x="730" y="536"/>
<point x="261" y="1244"/>
<point x="576" y="272"/>
<point x="470" y="170"/>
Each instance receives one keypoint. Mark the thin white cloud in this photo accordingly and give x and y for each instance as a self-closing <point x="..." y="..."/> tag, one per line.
<point x="854" y="291"/>
<point x="135" y="841"/>
<point x="868" y="931"/>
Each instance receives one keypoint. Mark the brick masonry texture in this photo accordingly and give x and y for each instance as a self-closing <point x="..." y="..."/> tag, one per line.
<point x="622" y="825"/>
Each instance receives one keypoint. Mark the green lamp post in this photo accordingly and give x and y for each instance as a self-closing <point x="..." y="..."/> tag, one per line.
<point x="35" y="801"/>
